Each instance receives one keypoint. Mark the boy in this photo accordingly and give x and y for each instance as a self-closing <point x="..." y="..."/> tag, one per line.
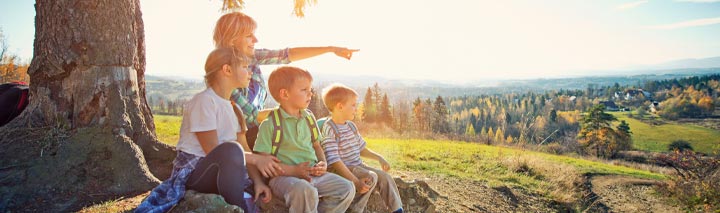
<point x="288" y="134"/>
<point x="343" y="147"/>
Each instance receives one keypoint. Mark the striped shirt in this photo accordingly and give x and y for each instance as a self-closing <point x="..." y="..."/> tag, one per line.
<point x="347" y="149"/>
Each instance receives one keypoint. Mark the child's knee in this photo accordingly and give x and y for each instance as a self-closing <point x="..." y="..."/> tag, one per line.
<point x="349" y="189"/>
<point x="383" y="176"/>
<point x="303" y="190"/>
<point x="374" y="178"/>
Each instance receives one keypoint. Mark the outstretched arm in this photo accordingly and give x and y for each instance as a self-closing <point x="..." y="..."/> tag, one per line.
<point x="375" y="156"/>
<point x="300" y="53"/>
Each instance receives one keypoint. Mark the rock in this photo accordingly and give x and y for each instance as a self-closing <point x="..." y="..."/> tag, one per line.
<point x="204" y="203"/>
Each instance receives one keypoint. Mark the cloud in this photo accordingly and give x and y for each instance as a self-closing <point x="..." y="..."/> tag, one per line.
<point x="685" y="24"/>
<point x="699" y="1"/>
<point x="631" y="5"/>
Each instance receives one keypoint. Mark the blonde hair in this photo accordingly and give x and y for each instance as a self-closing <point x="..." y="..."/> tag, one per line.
<point x="230" y="27"/>
<point x="284" y="78"/>
<point x="337" y="93"/>
<point x="217" y="59"/>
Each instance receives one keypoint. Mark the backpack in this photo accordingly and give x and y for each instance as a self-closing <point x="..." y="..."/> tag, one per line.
<point x="277" y="129"/>
<point x="334" y="127"/>
<point x="13" y="100"/>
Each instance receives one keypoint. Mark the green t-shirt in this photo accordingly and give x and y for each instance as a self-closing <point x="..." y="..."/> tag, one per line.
<point x="295" y="146"/>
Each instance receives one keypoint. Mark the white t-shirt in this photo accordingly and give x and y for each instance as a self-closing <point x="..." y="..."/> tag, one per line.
<point x="204" y="112"/>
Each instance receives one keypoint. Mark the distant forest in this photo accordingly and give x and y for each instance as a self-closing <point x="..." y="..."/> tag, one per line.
<point x="556" y="117"/>
<point x="530" y="114"/>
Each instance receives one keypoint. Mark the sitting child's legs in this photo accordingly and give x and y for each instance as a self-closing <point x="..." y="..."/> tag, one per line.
<point x="388" y="189"/>
<point x="336" y="192"/>
<point x="299" y="195"/>
<point x="360" y="201"/>
<point x="222" y="172"/>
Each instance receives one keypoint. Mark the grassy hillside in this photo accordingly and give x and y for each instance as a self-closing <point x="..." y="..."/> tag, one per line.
<point x="546" y="174"/>
<point x="167" y="128"/>
<point x="658" y="137"/>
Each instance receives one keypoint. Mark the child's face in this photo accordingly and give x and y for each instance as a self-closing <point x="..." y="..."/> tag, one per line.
<point x="299" y="94"/>
<point x="241" y="74"/>
<point x="247" y="43"/>
<point x="347" y="108"/>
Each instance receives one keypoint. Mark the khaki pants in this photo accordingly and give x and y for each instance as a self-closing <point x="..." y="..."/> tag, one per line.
<point x="381" y="181"/>
<point x="326" y="193"/>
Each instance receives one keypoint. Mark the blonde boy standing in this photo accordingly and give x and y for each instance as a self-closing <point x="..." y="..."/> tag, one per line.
<point x="304" y="179"/>
<point x="343" y="147"/>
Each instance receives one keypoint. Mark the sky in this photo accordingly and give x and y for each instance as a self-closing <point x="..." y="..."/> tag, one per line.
<point x="452" y="41"/>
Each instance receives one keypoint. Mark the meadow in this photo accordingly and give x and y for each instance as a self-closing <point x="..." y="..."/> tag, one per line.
<point x="542" y="173"/>
<point x="656" y="138"/>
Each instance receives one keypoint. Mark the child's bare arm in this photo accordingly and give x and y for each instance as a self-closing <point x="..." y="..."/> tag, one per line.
<point x="321" y="167"/>
<point x="345" y="172"/>
<point x="301" y="170"/>
<point x="366" y="152"/>
<point x="208" y="140"/>
<point x="261" y="189"/>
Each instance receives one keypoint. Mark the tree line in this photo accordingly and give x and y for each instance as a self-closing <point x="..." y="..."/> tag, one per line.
<point x="572" y="120"/>
<point x="12" y="68"/>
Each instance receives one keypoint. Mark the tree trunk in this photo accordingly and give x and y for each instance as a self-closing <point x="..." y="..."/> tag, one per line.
<point x="88" y="131"/>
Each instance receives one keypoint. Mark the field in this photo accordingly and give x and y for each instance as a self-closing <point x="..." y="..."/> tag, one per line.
<point x="167" y="128"/>
<point x="656" y="138"/>
<point x="538" y="172"/>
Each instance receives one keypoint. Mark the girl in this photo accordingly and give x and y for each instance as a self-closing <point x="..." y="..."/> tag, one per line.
<point x="237" y="30"/>
<point x="211" y="152"/>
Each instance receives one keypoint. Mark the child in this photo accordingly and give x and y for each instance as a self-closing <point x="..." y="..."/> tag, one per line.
<point x="290" y="133"/>
<point x="343" y="147"/>
<point x="237" y="30"/>
<point x="210" y="157"/>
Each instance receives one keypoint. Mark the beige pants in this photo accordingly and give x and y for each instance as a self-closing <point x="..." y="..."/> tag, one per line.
<point x="327" y="193"/>
<point x="380" y="181"/>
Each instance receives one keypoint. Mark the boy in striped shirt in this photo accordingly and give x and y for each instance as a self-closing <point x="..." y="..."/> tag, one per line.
<point x="344" y="146"/>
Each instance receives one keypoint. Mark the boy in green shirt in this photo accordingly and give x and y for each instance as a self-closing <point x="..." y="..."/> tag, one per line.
<point x="290" y="133"/>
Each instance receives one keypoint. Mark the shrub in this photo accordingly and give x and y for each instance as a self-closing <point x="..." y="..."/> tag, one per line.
<point x="680" y="145"/>
<point x="696" y="183"/>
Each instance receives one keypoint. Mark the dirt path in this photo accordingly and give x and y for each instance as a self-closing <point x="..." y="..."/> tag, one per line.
<point x="452" y="194"/>
<point x="457" y="195"/>
<point x="627" y="194"/>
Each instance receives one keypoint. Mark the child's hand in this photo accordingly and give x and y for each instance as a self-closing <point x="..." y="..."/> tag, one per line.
<point x="319" y="169"/>
<point x="344" y="52"/>
<point x="268" y="165"/>
<point x="263" y="192"/>
<point x="385" y="165"/>
<point x="362" y="186"/>
<point x="302" y="171"/>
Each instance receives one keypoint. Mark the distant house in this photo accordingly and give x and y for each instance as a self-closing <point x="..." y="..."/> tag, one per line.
<point x="654" y="106"/>
<point x="610" y="105"/>
<point x="632" y="94"/>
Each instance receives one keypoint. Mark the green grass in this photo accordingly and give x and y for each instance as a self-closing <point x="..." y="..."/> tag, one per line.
<point x="478" y="161"/>
<point x="547" y="174"/>
<point x="167" y="128"/>
<point x="657" y="138"/>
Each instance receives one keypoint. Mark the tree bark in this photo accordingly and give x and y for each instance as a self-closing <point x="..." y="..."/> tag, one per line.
<point x="88" y="133"/>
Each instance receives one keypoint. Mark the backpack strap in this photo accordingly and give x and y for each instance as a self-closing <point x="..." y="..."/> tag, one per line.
<point x="334" y="127"/>
<point x="277" y="131"/>
<point x="314" y="133"/>
<point x="336" y="130"/>
<point x="354" y="128"/>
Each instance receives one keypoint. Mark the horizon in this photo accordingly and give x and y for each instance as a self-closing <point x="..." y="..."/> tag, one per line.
<point x="476" y="40"/>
